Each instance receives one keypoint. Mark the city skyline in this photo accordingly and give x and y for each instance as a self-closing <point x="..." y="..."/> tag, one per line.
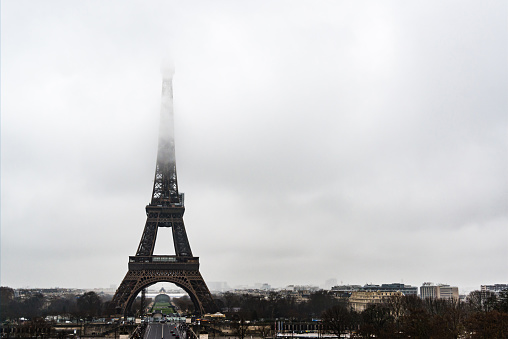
<point x="361" y="141"/>
<point x="223" y="286"/>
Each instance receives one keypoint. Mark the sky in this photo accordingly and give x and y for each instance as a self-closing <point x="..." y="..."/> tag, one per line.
<point x="363" y="141"/>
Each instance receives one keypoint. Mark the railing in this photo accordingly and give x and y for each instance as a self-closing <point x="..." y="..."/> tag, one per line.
<point x="163" y="259"/>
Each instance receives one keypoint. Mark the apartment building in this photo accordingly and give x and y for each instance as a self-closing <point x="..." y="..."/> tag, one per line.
<point x="439" y="291"/>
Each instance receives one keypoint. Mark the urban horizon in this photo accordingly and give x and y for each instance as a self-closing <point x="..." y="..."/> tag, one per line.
<point x="213" y="286"/>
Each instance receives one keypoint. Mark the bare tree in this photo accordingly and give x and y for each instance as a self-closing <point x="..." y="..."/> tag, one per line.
<point x="339" y="319"/>
<point x="482" y="301"/>
<point x="377" y="322"/>
<point x="89" y="305"/>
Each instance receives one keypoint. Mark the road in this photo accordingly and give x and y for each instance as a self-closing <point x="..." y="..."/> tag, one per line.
<point x="156" y="330"/>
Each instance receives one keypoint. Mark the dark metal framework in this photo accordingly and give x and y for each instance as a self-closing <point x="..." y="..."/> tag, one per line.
<point x="166" y="209"/>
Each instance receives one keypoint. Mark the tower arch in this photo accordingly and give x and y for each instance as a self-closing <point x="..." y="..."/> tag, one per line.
<point x="181" y="281"/>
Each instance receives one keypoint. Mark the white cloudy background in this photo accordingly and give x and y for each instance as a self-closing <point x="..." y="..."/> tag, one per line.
<point x="364" y="141"/>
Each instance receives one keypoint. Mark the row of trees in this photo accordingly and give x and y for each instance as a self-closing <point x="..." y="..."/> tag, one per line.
<point x="411" y="317"/>
<point x="87" y="305"/>
<point x="482" y="315"/>
<point x="276" y="305"/>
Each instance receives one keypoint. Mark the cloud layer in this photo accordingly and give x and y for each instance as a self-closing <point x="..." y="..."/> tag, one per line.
<point x="361" y="141"/>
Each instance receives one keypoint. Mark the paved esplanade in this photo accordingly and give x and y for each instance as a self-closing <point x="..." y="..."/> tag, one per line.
<point x="156" y="330"/>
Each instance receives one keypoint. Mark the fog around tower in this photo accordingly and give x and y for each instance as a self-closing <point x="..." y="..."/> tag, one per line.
<point x="167" y="67"/>
<point x="364" y="141"/>
<point x="166" y="148"/>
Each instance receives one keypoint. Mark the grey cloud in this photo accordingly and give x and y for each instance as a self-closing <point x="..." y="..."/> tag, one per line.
<point x="363" y="141"/>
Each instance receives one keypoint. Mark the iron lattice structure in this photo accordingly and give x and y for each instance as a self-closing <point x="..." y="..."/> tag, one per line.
<point x="166" y="209"/>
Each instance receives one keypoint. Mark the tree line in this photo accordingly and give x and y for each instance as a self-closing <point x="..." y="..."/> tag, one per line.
<point x="276" y="305"/>
<point x="85" y="306"/>
<point x="481" y="315"/>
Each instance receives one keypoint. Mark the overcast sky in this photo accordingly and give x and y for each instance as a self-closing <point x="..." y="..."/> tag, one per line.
<point x="364" y="141"/>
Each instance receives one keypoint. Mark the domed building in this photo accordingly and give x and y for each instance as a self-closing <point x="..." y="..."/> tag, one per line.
<point x="162" y="298"/>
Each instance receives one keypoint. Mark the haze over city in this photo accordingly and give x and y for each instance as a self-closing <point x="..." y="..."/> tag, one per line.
<point x="361" y="141"/>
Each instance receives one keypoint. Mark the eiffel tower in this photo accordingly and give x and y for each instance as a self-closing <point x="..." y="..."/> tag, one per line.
<point x="166" y="209"/>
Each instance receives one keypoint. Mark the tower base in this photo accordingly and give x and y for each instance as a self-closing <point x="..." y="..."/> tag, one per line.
<point x="189" y="280"/>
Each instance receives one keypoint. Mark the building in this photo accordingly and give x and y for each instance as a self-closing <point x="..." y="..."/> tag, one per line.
<point x="264" y="286"/>
<point x="393" y="287"/>
<point x="429" y="290"/>
<point x="359" y="300"/>
<point x="449" y="292"/>
<point x="346" y="288"/>
<point x="440" y="291"/>
<point x="496" y="288"/>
